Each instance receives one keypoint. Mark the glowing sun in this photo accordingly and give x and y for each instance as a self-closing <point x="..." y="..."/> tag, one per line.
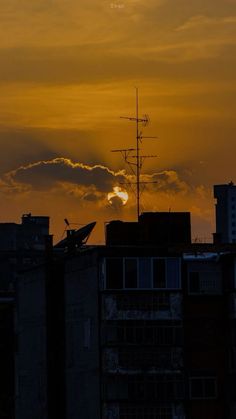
<point x="118" y="193"/>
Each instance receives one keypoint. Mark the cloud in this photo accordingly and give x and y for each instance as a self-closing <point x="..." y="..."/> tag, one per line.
<point x="85" y="181"/>
<point x="92" y="183"/>
<point x="44" y="175"/>
<point x="205" y="21"/>
<point x="167" y="181"/>
<point x="62" y="187"/>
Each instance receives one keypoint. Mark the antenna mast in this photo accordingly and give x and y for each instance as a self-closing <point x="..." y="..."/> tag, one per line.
<point x="138" y="163"/>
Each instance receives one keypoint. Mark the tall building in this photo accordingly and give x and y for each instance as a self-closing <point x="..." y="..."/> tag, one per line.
<point x="21" y="246"/>
<point x="225" y="213"/>
<point x="140" y="328"/>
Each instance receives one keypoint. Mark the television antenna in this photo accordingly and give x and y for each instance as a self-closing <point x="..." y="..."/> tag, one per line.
<point x="135" y="159"/>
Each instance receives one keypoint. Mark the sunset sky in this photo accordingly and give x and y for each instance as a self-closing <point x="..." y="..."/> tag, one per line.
<point x="68" y="69"/>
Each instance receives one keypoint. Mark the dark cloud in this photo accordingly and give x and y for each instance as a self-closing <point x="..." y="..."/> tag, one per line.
<point x="44" y="175"/>
<point x="86" y="181"/>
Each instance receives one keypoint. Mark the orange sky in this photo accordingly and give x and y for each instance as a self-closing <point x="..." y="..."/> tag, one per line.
<point x="67" y="72"/>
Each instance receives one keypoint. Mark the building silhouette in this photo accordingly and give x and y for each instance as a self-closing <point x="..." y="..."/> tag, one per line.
<point x="225" y="213"/>
<point x="21" y="245"/>
<point x="142" y="327"/>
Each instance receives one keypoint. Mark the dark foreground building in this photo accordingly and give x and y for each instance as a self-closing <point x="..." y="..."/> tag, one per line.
<point x="21" y="245"/>
<point x="141" y="328"/>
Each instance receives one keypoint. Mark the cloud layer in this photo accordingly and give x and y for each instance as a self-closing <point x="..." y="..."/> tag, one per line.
<point x="85" y="187"/>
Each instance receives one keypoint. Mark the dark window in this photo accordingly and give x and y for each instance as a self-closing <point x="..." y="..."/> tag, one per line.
<point x="203" y="388"/>
<point x="159" y="273"/>
<point x="147" y="412"/>
<point x="114" y="273"/>
<point x="130" y="334"/>
<point x="145" y="280"/>
<point x="139" y="335"/>
<point x="194" y="282"/>
<point x="131" y="273"/>
<point x="233" y="207"/>
<point x="196" y="388"/>
<point x="173" y="272"/>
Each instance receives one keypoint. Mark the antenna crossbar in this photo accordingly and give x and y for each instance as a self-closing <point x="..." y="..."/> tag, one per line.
<point x="122" y="149"/>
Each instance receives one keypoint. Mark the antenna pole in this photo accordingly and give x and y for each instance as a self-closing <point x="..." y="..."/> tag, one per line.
<point x="137" y="154"/>
<point x="138" y="159"/>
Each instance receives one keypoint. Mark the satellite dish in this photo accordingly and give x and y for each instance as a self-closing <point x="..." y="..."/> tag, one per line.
<point x="80" y="236"/>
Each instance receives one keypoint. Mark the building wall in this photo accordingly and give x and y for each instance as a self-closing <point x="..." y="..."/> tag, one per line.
<point x="205" y="330"/>
<point x="7" y="347"/>
<point x="31" y="355"/>
<point x="82" y="338"/>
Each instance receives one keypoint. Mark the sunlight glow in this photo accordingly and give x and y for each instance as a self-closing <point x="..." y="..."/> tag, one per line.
<point x="118" y="192"/>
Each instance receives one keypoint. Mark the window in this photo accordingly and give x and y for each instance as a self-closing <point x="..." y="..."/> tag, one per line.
<point x="145" y="279"/>
<point x="147" y="412"/>
<point x="203" y="388"/>
<point x="131" y="278"/>
<point x="166" y="273"/>
<point x="173" y="272"/>
<point x="148" y="334"/>
<point x="149" y="356"/>
<point x="143" y="301"/>
<point x="159" y="273"/>
<point x="114" y="273"/>
<point x="143" y="273"/>
<point x="194" y="282"/>
<point x="204" y="282"/>
<point x="156" y="387"/>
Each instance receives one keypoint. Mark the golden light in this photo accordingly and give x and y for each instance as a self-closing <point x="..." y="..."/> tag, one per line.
<point x="118" y="192"/>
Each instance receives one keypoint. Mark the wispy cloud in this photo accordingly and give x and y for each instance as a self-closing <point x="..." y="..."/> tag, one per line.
<point x="205" y="21"/>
